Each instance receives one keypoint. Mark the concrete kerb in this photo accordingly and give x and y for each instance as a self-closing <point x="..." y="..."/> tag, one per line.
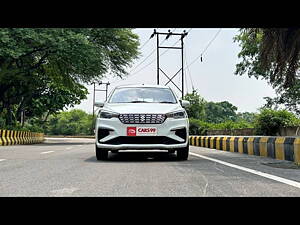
<point x="283" y="148"/>
<point x="15" y="137"/>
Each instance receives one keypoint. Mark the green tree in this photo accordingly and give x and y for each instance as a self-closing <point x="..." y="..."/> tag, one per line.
<point x="218" y="112"/>
<point x="73" y="122"/>
<point x="289" y="98"/>
<point x="273" y="55"/>
<point x="197" y="105"/>
<point x="269" y="121"/>
<point x="42" y="70"/>
<point x="246" y="116"/>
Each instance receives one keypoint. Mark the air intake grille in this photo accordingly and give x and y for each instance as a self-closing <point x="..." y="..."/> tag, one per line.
<point x="142" y="140"/>
<point x="142" y="118"/>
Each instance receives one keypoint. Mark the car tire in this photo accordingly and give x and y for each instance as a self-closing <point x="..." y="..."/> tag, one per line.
<point x="183" y="153"/>
<point x="101" y="154"/>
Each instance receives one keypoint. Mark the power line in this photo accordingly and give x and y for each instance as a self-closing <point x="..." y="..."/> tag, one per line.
<point x="212" y="40"/>
<point x="144" y="44"/>
<point x="174" y="43"/>
<point x="143" y="61"/>
<point x="189" y="72"/>
<point x="150" y="53"/>
<point x="186" y="84"/>
<point x="152" y="60"/>
<point x="159" y="55"/>
<point x="204" y="49"/>
<point x="187" y="66"/>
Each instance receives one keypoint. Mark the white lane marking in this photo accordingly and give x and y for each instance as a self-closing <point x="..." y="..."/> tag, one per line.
<point x="63" y="192"/>
<point x="68" y="148"/>
<point x="46" y="152"/>
<point x="266" y="175"/>
<point x="2" y="160"/>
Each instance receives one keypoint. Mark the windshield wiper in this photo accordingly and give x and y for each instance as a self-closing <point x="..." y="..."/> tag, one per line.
<point x="138" y="102"/>
<point x="167" y="102"/>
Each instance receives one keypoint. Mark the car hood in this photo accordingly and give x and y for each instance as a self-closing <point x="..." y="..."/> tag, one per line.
<point x="156" y="108"/>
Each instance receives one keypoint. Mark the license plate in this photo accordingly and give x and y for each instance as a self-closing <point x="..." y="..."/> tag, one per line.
<point x="141" y="131"/>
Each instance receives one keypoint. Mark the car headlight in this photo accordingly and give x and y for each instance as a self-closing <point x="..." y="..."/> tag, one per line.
<point x="177" y="115"/>
<point x="108" y="115"/>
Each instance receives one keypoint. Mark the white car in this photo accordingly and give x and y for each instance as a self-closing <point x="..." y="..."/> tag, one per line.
<point x="142" y="117"/>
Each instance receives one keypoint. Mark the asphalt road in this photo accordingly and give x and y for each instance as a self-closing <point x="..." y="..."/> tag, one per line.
<point x="68" y="167"/>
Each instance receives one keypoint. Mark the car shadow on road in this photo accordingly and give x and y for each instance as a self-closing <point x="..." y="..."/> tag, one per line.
<point x="136" y="157"/>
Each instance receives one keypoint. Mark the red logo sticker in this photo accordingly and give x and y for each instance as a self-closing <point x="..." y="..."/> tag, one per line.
<point x="131" y="131"/>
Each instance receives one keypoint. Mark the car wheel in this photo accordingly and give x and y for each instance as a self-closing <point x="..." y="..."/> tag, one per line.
<point x="183" y="153"/>
<point x="101" y="154"/>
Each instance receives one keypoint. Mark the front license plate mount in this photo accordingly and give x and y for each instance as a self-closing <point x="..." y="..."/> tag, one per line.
<point x="141" y="131"/>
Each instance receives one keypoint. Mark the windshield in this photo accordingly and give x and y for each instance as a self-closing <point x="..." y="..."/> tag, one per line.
<point x="143" y="95"/>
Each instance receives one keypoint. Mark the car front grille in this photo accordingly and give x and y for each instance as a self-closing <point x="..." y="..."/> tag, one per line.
<point x="142" y="118"/>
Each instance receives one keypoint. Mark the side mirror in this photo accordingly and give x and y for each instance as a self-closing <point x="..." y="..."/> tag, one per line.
<point x="99" y="104"/>
<point x="184" y="103"/>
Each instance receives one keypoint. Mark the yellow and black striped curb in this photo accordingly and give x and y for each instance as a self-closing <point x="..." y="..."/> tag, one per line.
<point x="283" y="148"/>
<point x="14" y="137"/>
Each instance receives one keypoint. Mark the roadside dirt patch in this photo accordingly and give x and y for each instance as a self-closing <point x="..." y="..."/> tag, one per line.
<point x="283" y="165"/>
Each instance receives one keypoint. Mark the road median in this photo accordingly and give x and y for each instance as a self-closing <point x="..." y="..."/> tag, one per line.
<point x="15" y="137"/>
<point x="283" y="148"/>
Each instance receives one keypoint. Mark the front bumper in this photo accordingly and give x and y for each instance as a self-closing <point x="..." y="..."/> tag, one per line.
<point x="166" y="138"/>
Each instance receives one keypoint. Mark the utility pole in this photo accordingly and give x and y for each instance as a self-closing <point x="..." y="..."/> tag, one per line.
<point x="106" y="91"/>
<point x="94" y="100"/>
<point x="182" y="35"/>
<point x="157" y="44"/>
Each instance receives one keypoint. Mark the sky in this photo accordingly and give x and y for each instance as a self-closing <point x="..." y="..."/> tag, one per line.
<point x="213" y="78"/>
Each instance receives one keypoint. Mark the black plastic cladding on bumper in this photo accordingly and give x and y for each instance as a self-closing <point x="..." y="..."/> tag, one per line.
<point x="102" y="133"/>
<point x="181" y="133"/>
<point x="142" y="140"/>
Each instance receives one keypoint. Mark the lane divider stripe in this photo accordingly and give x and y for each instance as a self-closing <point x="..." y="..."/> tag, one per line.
<point x="256" y="172"/>
<point x="47" y="152"/>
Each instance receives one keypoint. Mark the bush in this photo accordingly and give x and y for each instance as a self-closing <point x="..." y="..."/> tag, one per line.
<point x="269" y="121"/>
<point x="74" y="122"/>
<point x="199" y="127"/>
<point x="230" y="125"/>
